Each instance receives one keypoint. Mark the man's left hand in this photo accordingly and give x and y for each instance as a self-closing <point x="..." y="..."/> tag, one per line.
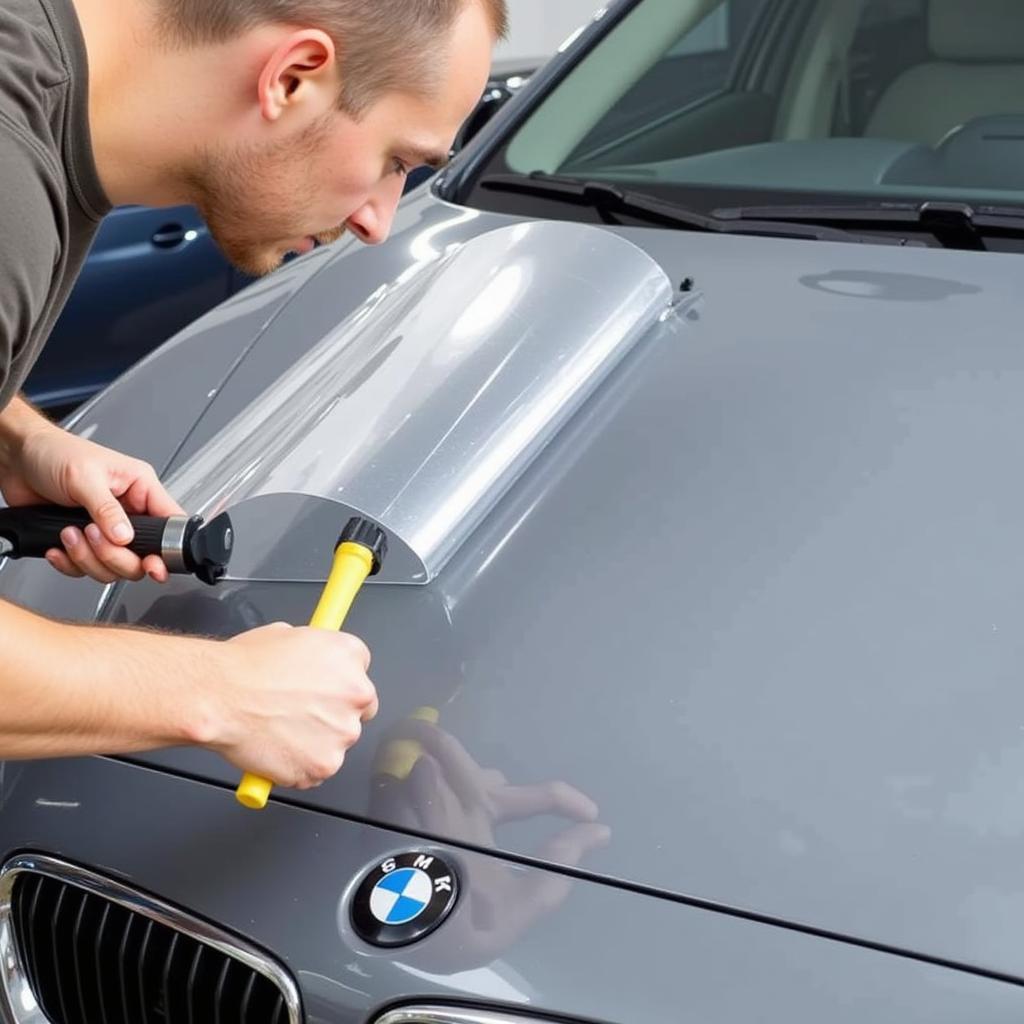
<point x="51" y="466"/>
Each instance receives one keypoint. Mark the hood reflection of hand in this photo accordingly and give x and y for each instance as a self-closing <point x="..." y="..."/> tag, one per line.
<point x="447" y="794"/>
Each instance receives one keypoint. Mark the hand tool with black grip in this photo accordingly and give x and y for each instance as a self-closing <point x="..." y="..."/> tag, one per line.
<point x="187" y="544"/>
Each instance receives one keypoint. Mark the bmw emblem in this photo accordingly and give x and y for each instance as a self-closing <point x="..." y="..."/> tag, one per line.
<point x="404" y="898"/>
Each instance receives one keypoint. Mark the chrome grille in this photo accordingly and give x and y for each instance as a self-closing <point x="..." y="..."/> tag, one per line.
<point x="76" y="948"/>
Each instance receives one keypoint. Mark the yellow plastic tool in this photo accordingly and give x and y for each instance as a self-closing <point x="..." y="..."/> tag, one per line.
<point x="360" y="553"/>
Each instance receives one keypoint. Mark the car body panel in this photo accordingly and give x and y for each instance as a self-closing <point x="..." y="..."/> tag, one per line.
<point x="283" y="880"/>
<point x="755" y="584"/>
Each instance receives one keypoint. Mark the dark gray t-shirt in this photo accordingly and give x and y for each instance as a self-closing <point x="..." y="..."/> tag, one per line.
<point x="51" y="199"/>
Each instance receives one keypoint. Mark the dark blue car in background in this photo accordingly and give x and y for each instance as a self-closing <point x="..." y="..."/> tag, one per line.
<point x="150" y="273"/>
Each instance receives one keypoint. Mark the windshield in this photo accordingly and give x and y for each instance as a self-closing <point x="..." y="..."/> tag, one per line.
<point x="717" y="103"/>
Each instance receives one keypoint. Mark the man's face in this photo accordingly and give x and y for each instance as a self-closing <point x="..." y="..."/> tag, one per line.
<point x="262" y="200"/>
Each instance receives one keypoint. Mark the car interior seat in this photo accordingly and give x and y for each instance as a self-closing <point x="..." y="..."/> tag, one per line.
<point x="976" y="68"/>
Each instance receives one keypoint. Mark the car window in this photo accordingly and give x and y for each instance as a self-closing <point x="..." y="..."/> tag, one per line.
<point x="691" y="99"/>
<point x="697" y="66"/>
<point x="891" y="38"/>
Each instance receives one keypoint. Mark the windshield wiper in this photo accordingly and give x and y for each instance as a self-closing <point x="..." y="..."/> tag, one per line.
<point x="613" y="203"/>
<point x="954" y="225"/>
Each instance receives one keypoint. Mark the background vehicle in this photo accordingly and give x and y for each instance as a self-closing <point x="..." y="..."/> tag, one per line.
<point x="728" y="677"/>
<point x="150" y="273"/>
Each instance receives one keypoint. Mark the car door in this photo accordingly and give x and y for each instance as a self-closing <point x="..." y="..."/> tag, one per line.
<point x="149" y="274"/>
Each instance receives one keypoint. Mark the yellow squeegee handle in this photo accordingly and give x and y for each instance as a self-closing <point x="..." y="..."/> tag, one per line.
<point x="352" y="564"/>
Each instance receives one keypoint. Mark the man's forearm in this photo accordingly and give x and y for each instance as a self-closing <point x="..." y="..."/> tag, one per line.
<point x="70" y="690"/>
<point x="17" y="422"/>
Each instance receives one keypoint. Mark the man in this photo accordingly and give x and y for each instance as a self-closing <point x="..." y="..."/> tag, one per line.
<point x="286" y="122"/>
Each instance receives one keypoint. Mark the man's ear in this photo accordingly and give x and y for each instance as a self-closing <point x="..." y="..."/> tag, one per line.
<point x="302" y="69"/>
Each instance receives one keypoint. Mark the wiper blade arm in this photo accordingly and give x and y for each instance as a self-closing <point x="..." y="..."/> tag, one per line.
<point x="613" y="202"/>
<point x="955" y="225"/>
<point x="600" y="195"/>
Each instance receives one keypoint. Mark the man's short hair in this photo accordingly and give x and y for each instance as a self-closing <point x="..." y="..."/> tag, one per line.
<point x="383" y="45"/>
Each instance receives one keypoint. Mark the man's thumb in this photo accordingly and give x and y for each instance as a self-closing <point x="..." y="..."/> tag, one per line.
<point x="106" y="512"/>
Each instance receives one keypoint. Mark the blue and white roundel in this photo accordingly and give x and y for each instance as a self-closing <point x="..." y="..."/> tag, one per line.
<point x="402" y="896"/>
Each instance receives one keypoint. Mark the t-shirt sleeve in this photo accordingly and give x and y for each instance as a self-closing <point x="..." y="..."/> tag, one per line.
<point x="29" y="243"/>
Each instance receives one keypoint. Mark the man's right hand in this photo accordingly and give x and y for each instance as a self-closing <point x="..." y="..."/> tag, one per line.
<point x="283" y="702"/>
<point x="291" y="702"/>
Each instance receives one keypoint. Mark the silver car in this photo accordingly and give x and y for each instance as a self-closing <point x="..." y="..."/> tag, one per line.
<point x="691" y="401"/>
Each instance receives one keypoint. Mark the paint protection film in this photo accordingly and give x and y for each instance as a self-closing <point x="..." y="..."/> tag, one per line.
<point x="424" y="406"/>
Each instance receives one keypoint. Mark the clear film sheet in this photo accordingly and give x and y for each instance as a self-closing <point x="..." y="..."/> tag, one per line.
<point x="425" y="405"/>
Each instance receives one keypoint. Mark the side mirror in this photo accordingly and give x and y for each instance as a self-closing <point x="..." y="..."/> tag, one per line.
<point x="491" y="102"/>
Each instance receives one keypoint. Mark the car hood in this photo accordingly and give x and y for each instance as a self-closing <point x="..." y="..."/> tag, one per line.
<point x="760" y="601"/>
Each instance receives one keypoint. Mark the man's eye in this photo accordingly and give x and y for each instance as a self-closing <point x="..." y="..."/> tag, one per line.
<point x="400" y="168"/>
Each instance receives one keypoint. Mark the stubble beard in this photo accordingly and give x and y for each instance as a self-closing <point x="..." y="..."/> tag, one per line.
<point x="249" y="198"/>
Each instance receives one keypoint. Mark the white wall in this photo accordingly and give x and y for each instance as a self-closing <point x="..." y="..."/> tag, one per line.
<point x="540" y="26"/>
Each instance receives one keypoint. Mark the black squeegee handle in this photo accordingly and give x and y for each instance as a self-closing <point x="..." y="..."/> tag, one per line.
<point x="187" y="545"/>
<point x="35" y="529"/>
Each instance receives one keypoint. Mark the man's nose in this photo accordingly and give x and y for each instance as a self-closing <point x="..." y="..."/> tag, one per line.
<point x="372" y="222"/>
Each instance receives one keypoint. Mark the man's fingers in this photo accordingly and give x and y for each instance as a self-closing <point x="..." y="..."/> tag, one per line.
<point x="357" y="648"/>
<point x="97" y="558"/>
<point x="371" y="711"/>
<point x="60" y="561"/>
<point x="91" y="554"/>
<point x="155" y="569"/>
<point x="143" y="495"/>
<point x="80" y="552"/>
<point x="147" y="496"/>
<point x="513" y="803"/>
<point x="95" y="495"/>
<point x="123" y="563"/>
<point x="103" y="554"/>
